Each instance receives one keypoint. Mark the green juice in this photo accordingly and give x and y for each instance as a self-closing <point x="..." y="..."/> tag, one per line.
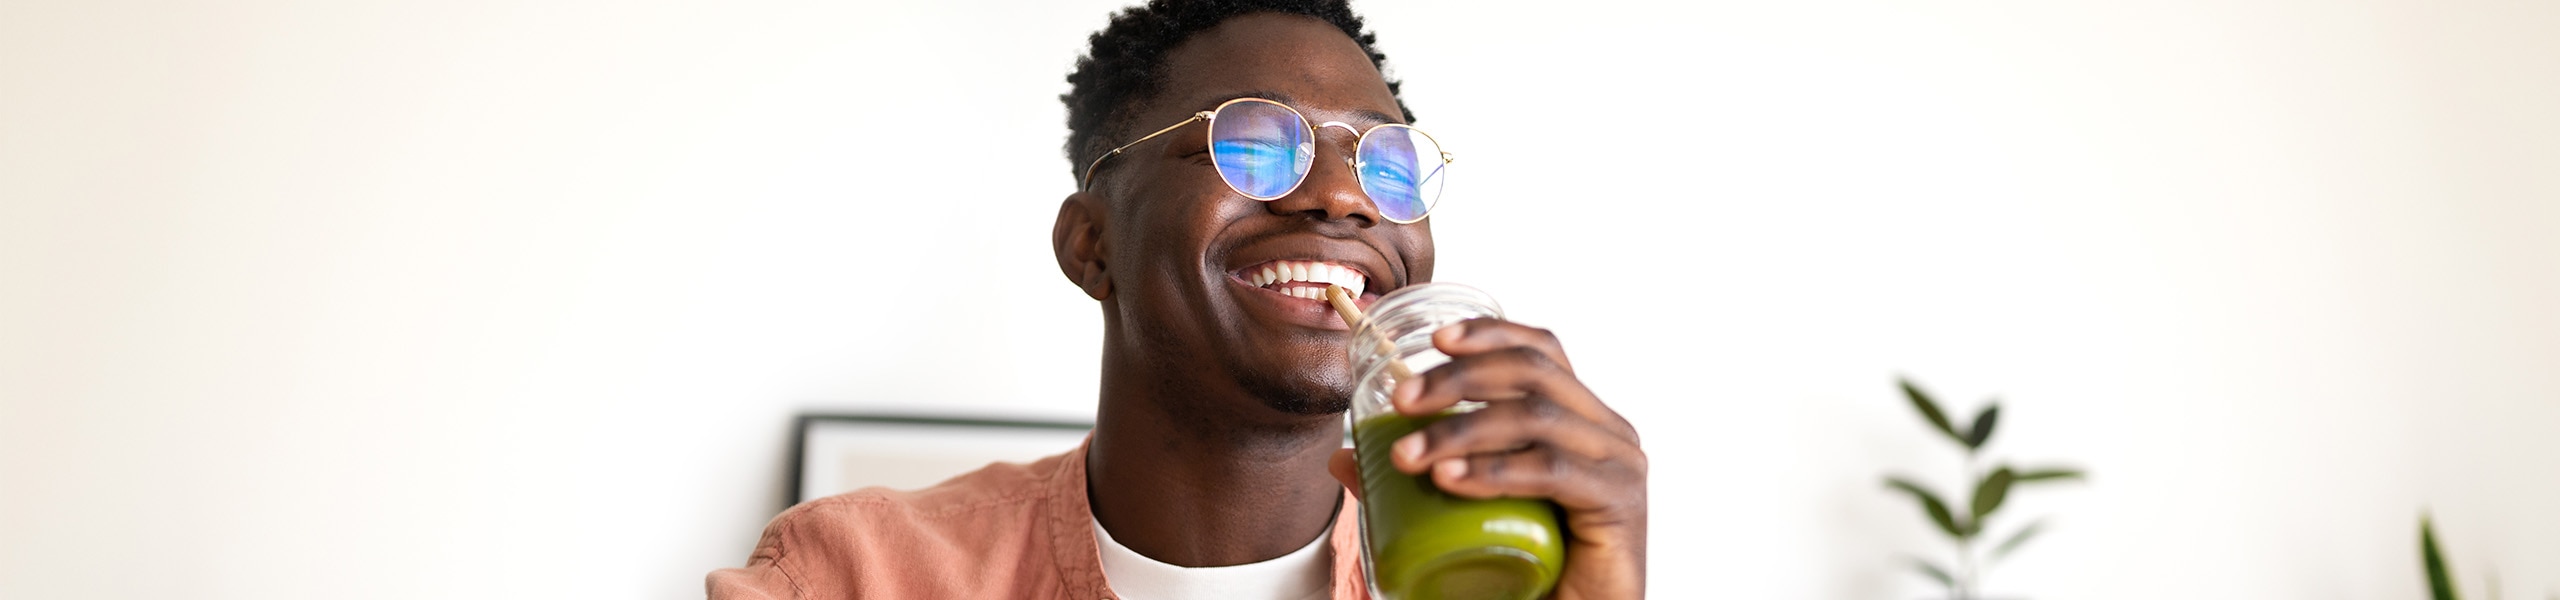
<point x="1424" y="544"/>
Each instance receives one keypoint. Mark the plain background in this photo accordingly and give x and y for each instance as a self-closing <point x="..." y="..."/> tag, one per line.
<point x="516" y="299"/>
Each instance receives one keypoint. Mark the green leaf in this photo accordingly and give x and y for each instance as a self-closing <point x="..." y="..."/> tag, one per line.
<point x="2016" y="539"/>
<point x="2439" y="579"/>
<point x="1988" y="495"/>
<point x="1929" y="408"/>
<point x="2048" y="474"/>
<point x="1935" y="572"/>
<point x="1980" y="433"/>
<point x="1937" y="510"/>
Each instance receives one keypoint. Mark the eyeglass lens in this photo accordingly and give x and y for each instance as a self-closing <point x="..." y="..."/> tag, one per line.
<point x="1264" y="150"/>
<point x="1402" y="171"/>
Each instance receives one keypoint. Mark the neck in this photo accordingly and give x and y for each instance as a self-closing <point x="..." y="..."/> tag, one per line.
<point x="1200" y="481"/>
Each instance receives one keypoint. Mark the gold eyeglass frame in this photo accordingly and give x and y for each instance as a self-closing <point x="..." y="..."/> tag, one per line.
<point x="1359" y="137"/>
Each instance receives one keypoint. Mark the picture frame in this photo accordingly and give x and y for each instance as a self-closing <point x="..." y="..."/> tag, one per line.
<point x="838" y="453"/>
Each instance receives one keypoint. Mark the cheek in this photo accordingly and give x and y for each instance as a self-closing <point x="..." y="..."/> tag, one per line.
<point x="1420" y="255"/>
<point x="1168" y="237"/>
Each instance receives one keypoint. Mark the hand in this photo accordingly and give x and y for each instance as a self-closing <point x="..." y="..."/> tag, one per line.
<point x="1541" y="434"/>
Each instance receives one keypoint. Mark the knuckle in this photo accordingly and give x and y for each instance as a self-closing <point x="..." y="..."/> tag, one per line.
<point x="1448" y="428"/>
<point x="1441" y="374"/>
<point x="1557" y="466"/>
<point x="1544" y="412"/>
<point x="1533" y="358"/>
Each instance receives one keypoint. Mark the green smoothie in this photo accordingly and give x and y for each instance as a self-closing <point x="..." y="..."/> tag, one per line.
<point x="1426" y="545"/>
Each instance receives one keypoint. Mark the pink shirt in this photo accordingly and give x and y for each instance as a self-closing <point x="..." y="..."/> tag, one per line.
<point x="1004" y="531"/>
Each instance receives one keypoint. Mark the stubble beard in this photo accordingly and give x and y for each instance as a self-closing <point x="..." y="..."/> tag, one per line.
<point x="1296" y="395"/>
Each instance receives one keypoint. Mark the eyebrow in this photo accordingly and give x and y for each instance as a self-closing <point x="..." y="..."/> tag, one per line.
<point x="1373" y="117"/>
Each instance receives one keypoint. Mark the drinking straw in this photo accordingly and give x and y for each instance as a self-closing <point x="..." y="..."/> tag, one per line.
<point x="1351" y="316"/>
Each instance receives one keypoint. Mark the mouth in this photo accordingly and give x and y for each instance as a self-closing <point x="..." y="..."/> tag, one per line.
<point x="1292" y="290"/>
<point x="1305" y="279"/>
<point x="1288" y="274"/>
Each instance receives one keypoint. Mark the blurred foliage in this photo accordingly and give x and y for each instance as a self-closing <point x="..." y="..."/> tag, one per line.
<point x="2439" y="576"/>
<point x="2439" y="580"/>
<point x="1991" y="488"/>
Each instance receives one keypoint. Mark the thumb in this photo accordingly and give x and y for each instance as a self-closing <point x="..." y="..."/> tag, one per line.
<point x="1346" y="470"/>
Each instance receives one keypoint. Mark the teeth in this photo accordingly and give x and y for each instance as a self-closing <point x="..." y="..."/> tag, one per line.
<point x="1294" y="271"/>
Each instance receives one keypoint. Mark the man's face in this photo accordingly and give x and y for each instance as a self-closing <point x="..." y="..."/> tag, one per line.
<point x="1184" y="250"/>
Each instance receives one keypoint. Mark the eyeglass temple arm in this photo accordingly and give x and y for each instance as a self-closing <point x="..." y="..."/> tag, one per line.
<point x="1097" y="161"/>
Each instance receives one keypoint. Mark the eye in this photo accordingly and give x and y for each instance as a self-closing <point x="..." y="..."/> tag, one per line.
<point x="1248" y="153"/>
<point x="1389" y="171"/>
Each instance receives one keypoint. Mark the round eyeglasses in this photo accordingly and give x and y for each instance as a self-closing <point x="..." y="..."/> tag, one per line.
<point x="1264" y="150"/>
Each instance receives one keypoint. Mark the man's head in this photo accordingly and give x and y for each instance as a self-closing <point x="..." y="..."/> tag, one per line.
<point x="1174" y="254"/>
<point x="1123" y="70"/>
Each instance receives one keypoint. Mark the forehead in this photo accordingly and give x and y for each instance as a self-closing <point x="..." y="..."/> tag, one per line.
<point x="1301" y="61"/>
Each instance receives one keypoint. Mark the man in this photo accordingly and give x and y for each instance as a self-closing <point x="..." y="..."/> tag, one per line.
<point x="1215" y="465"/>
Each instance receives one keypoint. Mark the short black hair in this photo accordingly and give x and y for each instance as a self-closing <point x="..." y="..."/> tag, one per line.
<point x="1124" y="67"/>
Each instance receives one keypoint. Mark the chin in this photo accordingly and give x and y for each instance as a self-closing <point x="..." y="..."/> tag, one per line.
<point x="1301" y="396"/>
<point x="1311" y="406"/>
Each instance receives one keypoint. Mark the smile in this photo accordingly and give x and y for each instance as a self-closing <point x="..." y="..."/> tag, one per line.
<point x="1305" y="278"/>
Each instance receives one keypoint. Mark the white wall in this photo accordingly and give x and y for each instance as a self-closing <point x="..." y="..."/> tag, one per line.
<point x="515" y="299"/>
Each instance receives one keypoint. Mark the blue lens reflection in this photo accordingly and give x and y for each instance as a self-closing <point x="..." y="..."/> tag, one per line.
<point x="1402" y="172"/>
<point x="1261" y="149"/>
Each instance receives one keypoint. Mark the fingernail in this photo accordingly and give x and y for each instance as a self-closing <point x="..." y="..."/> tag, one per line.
<point x="1410" y="447"/>
<point x="1406" y="391"/>
<point x="1455" y="467"/>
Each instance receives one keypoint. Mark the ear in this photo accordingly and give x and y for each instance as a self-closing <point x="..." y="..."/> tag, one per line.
<point x="1077" y="240"/>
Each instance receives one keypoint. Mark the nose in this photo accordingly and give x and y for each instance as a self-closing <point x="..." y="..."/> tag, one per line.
<point x="1332" y="189"/>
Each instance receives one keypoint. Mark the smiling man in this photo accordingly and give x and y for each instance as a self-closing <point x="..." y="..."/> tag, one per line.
<point x="1220" y="153"/>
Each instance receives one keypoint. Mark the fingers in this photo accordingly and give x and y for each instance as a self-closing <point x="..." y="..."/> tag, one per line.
<point x="1504" y="427"/>
<point x="1488" y="334"/>
<point x="1531" y="448"/>
<point x="1573" y="481"/>
<point x="1502" y="376"/>
<point x="1506" y="374"/>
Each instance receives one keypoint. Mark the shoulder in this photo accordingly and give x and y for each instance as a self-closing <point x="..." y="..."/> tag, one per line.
<point x="995" y="487"/>
<point x="937" y="541"/>
<point x="998" y="492"/>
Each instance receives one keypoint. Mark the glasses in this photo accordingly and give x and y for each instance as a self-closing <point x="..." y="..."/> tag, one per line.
<point x="1264" y="150"/>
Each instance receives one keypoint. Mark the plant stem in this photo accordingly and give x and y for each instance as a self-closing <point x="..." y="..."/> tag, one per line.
<point x="1967" y="580"/>
<point x="1964" y="570"/>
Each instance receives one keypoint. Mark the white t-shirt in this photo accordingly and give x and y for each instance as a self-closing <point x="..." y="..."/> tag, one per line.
<point x="1305" y="574"/>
